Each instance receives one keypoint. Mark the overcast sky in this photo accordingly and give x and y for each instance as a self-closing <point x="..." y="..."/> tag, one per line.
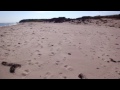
<point x="16" y="16"/>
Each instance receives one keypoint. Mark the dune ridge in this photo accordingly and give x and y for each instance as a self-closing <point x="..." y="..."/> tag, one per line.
<point x="87" y="49"/>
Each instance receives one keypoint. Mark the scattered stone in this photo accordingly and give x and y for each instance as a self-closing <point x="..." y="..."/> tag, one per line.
<point x="39" y="54"/>
<point x="8" y="45"/>
<point x="69" y="53"/>
<point x="81" y="76"/>
<point x="12" y="69"/>
<point x="4" y="63"/>
<point x="116" y="44"/>
<point x="56" y="63"/>
<point x="1" y="35"/>
<point x="116" y="71"/>
<point x="98" y="57"/>
<point x="64" y="77"/>
<point x="117" y="48"/>
<point x="108" y="61"/>
<point x="66" y="66"/>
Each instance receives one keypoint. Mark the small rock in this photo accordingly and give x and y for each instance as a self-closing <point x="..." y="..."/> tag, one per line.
<point x="1" y="35"/>
<point x="81" y="76"/>
<point x="60" y="73"/>
<point x="24" y="74"/>
<point x="116" y="44"/>
<point x="66" y="66"/>
<point x="12" y="69"/>
<point x="39" y="54"/>
<point x="64" y="77"/>
<point x="69" y="53"/>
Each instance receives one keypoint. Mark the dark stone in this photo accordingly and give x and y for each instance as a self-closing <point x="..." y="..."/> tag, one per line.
<point x="12" y="69"/>
<point x="116" y="44"/>
<point x="112" y="60"/>
<point x="12" y="66"/>
<point x="69" y="53"/>
<point x="1" y="35"/>
<point x="81" y="76"/>
<point x="4" y="63"/>
<point x="97" y="68"/>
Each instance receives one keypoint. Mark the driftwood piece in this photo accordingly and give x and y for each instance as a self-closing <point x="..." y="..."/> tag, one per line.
<point x="12" y="66"/>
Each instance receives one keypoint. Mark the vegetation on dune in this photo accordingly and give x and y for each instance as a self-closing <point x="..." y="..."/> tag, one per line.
<point x="64" y="19"/>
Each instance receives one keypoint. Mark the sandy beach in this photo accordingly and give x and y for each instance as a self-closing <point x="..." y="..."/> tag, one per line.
<point x="61" y="50"/>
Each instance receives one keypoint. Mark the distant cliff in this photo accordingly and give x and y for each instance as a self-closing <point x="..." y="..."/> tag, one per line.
<point x="56" y="20"/>
<point x="64" y="19"/>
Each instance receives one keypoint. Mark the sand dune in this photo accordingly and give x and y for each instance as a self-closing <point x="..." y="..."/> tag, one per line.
<point x="60" y="51"/>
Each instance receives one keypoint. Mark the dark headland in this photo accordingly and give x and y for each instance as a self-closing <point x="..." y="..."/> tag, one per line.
<point x="64" y="19"/>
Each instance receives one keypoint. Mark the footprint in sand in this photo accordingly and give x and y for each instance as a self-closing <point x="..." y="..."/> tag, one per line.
<point x="52" y="54"/>
<point x="69" y="68"/>
<point x="48" y="75"/>
<point x="37" y="51"/>
<point x="24" y="74"/>
<point x="37" y="63"/>
<point x="64" y="77"/>
<point x="6" y="54"/>
<point x="64" y="58"/>
<point x="29" y="62"/>
<point x="26" y="70"/>
<point x="58" y="63"/>
<point x="60" y="73"/>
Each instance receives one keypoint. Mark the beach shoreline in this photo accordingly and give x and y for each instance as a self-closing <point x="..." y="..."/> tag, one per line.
<point x="61" y="50"/>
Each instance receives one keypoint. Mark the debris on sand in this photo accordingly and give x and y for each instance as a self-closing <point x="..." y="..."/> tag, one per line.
<point x="69" y="53"/>
<point x="81" y="76"/>
<point x="114" y="60"/>
<point x="12" y="66"/>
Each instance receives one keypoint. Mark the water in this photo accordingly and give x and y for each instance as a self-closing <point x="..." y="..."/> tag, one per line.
<point x="7" y="24"/>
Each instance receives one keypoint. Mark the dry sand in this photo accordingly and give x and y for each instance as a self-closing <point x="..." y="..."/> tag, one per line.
<point x="60" y="51"/>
